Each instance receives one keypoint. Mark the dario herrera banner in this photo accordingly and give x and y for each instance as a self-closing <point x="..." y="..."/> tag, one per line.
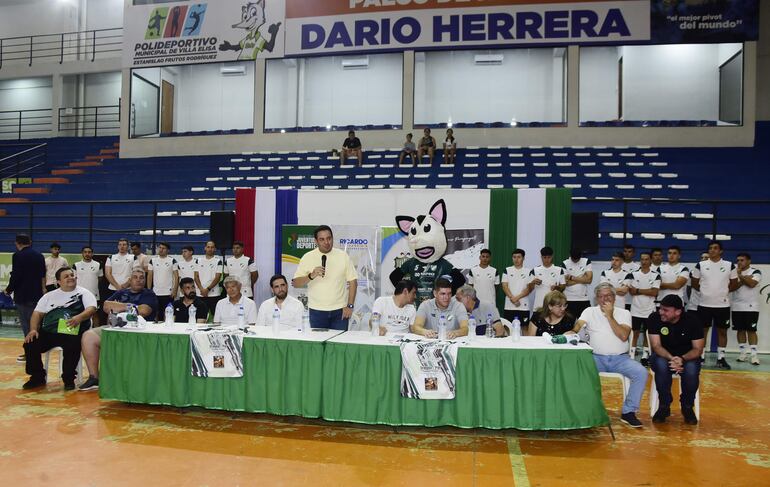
<point x="202" y="32"/>
<point x="319" y="27"/>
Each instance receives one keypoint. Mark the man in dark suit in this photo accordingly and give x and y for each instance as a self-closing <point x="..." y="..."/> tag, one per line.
<point x="27" y="281"/>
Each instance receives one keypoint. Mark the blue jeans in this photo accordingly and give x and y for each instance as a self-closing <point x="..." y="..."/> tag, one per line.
<point x="328" y="319"/>
<point x="690" y="378"/>
<point x="623" y="364"/>
<point x="25" y="315"/>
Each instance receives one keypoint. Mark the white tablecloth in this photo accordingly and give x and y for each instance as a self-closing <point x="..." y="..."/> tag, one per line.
<point x="525" y="343"/>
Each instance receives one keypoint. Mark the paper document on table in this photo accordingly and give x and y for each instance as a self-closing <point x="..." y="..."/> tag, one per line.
<point x="216" y="353"/>
<point x="428" y="370"/>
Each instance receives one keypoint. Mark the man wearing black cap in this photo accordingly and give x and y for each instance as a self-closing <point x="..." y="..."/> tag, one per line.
<point x="677" y="340"/>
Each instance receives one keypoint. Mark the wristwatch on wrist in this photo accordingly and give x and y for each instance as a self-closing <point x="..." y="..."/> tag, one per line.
<point x="310" y="276"/>
<point x="350" y="306"/>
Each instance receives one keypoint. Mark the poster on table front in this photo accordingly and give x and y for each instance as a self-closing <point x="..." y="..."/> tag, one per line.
<point x="463" y="249"/>
<point x="361" y="242"/>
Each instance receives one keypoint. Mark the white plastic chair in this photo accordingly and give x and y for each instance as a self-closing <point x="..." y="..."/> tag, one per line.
<point x="655" y="400"/>
<point x="78" y="369"/>
<point x="625" y="381"/>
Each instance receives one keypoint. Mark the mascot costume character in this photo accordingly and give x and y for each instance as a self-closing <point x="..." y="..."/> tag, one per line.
<point x="426" y="236"/>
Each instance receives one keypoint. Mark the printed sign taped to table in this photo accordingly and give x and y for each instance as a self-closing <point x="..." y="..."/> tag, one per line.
<point x="428" y="370"/>
<point x="216" y="354"/>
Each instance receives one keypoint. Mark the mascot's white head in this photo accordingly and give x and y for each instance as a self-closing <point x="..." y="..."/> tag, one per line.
<point x="426" y="233"/>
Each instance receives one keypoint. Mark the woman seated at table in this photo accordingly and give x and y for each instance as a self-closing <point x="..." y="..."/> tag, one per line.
<point x="552" y="317"/>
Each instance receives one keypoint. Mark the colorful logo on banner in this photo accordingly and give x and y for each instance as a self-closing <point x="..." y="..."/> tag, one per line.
<point x="178" y="21"/>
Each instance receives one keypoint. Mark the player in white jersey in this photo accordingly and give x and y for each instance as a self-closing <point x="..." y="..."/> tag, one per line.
<point x="673" y="275"/>
<point x="163" y="278"/>
<point x="484" y="278"/>
<point x="243" y="267"/>
<point x="745" y="304"/>
<point x="619" y="279"/>
<point x="644" y="286"/>
<point x="87" y="273"/>
<point x="694" y="299"/>
<point x="629" y="266"/>
<point x="208" y="273"/>
<point x="546" y="277"/>
<point x="657" y="259"/>
<point x="186" y="265"/>
<point x="714" y="278"/>
<point x="118" y="267"/>
<point x="578" y="275"/>
<point x="516" y="288"/>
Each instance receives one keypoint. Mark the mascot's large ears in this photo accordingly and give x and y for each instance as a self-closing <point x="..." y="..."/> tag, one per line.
<point x="404" y="223"/>
<point x="438" y="212"/>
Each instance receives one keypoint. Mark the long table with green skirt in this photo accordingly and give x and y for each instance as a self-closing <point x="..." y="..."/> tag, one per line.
<point x="282" y="374"/>
<point x="528" y="385"/>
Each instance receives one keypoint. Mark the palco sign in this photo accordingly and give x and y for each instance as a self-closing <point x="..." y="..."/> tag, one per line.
<point x="217" y="31"/>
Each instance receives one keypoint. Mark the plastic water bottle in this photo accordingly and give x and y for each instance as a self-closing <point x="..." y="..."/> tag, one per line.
<point x="241" y="316"/>
<point x="131" y="317"/>
<point x="276" y="320"/>
<point x="169" y="314"/>
<point x="442" y="327"/>
<point x="375" y="324"/>
<point x="191" y="314"/>
<point x="516" y="332"/>
<point x="490" y="332"/>
<point x="305" y="322"/>
<point x="472" y="327"/>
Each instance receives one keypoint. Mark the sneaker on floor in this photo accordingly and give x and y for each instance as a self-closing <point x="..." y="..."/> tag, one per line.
<point x="69" y="386"/>
<point x="754" y="360"/>
<point x="661" y="414"/>
<point x="21" y="358"/>
<point x="689" y="416"/>
<point x="34" y="383"/>
<point x="631" y="420"/>
<point x="743" y="356"/>
<point x="89" y="385"/>
<point x="645" y="362"/>
<point x="722" y="364"/>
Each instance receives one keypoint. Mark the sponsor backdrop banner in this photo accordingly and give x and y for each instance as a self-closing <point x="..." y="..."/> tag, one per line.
<point x="463" y="249"/>
<point x="202" y="32"/>
<point x="361" y="242"/>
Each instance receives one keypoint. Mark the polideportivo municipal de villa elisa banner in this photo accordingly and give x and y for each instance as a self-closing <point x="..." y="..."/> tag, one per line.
<point x="228" y="30"/>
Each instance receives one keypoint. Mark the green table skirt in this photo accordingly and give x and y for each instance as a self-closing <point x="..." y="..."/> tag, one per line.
<point x="280" y="376"/>
<point x="523" y="389"/>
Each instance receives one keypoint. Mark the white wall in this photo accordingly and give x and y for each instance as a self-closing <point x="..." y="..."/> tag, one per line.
<point x="104" y="14"/>
<point x="526" y="87"/>
<point x="26" y="94"/>
<point x="102" y="88"/>
<point x="599" y="83"/>
<point x="209" y="100"/>
<point x="329" y="95"/>
<point x="35" y="17"/>
<point x="672" y="82"/>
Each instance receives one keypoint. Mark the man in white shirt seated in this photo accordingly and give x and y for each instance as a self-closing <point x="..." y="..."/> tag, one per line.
<point x="396" y="312"/>
<point x="229" y="308"/>
<point x="290" y="309"/>
<point x="609" y="328"/>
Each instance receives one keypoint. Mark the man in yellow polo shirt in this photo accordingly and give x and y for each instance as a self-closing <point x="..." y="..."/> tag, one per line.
<point x="331" y="281"/>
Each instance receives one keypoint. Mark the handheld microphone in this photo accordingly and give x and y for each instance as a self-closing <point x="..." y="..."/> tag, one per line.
<point x="323" y="262"/>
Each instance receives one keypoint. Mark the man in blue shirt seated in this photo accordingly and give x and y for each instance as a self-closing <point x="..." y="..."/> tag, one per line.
<point x="146" y="303"/>
<point x="479" y="310"/>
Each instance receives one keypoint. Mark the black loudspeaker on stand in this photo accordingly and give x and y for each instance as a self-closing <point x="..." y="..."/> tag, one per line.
<point x="585" y="232"/>
<point x="222" y="228"/>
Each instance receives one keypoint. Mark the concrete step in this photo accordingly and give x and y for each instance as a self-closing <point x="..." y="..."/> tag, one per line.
<point x="113" y="151"/>
<point x="84" y="164"/>
<point x="65" y="172"/>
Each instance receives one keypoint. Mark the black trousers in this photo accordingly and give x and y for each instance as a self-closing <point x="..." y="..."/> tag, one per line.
<point x="162" y="302"/>
<point x="45" y="342"/>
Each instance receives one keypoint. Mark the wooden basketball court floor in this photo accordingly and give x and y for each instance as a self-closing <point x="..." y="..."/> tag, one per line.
<point x="49" y="437"/>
